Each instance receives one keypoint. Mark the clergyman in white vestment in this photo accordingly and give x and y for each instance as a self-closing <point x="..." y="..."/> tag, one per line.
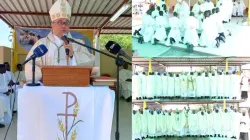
<point x="4" y="97"/>
<point x="21" y="76"/>
<point x="125" y="76"/>
<point x="11" y="80"/>
<point x="60" y="14"/>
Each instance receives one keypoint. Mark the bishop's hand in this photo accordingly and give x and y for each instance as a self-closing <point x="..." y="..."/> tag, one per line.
<point x="69" y="46"/>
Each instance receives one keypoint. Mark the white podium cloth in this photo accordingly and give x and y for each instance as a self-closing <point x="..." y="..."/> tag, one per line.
<point x="38" y="108"/>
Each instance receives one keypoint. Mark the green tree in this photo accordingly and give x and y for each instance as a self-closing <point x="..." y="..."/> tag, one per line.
<point x="124" y="40"/>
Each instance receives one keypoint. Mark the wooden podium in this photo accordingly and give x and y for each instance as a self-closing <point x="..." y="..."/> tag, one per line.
<point x="74" y="76"/>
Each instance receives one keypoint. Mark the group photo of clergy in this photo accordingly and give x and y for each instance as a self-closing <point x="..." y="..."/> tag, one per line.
<point x="192" y="26"/>
<point x="193" y="122"/>
<point x="190" y="85"/>
<point x="191" y="98"/>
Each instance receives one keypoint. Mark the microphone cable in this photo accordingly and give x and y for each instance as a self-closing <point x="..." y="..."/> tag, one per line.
<point x="12" y="108"/>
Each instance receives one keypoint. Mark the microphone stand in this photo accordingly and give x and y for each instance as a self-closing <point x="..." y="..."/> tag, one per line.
<point x="119" y="62"/>
<point x="33" y="84"/>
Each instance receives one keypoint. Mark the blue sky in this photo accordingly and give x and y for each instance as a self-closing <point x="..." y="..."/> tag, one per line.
<point x="4" y="35"/>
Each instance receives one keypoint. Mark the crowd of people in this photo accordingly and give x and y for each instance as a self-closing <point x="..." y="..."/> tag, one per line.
<point x="202" y="26"/>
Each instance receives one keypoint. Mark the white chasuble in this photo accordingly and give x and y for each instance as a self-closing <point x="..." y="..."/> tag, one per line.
<point x="213" y="85"/>
<point x="143" y="85"/>
<point x="164" y="85"/>
<point x="200" y="86"/>
<point x="171" y="86"/>
<point x="180" y="122"/>
<point x="220" y="85"/>
<point x="154" y="83"/>
<point x="231" y="117"/>
<point x="56" y="56"/>
<point x="225" y="123"/>
<point x="150" y="86"/>
<point x="152" y="124"/>
<point x="226" y="85"/>
<point x="158" y="86"/>
<point x="191" y="86"/>
<point x="144" y="124"/>
<point x="136" y="125"/>
<point x="177" y="86"/>
<point x="170" y="124"/>
<point x="202" y="119"/>
<point x="217" y="123"/>
<point x="136" y="81"/>
<point x="233" y="85"/>
<point x="193" y="123"/>
<point x="184" y="86"/>
<point x="210" y="123"/>
<point x="164" y="123"/>
<point x="206" y="86"/>
<point x="237" y="89"/>
<point x="159" y="123"/>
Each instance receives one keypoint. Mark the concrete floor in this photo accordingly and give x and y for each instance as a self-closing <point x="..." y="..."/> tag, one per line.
<point x="125" y="124"/>
<point x="12" y="134"/>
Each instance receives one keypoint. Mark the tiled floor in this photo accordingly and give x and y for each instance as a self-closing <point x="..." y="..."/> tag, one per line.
<point x="125" y="124"/>
<point x="233" y="46"/>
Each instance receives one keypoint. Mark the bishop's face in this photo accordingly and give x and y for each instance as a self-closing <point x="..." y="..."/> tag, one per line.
<point x="60" y="26"/>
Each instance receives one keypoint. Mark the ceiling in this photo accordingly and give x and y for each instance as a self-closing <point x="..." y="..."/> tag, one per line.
<point x="192" y="61"/>
<point x="86" y="14"/>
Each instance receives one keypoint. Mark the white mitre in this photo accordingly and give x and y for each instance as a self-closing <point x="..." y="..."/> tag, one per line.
<point x="60" y="9"/>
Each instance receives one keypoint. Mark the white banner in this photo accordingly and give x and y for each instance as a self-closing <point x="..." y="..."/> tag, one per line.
<point x="44" y="111"/>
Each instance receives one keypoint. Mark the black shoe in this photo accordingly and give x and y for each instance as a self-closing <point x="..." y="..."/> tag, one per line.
<point x="190" y="48"/>
<point x="172" y="41"/>
<point x="2" y="125"/>
<point x="129" y="99"/>
<point x="14" y="111"/>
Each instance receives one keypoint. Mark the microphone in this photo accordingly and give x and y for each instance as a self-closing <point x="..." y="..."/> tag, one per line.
<point x="66" y="41"/>
<point x="115" y="48"/>
<point x="38" y="52"/>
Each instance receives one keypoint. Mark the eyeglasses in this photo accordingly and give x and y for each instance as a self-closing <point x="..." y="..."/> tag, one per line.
<point x="62" y="23"/>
